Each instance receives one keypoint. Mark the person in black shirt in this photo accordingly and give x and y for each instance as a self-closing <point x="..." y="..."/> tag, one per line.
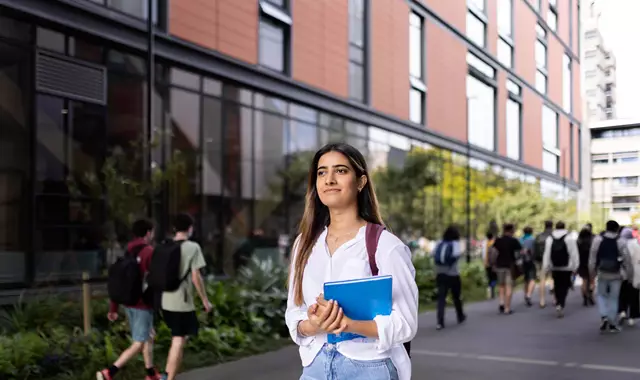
<point x="506" y="249"/>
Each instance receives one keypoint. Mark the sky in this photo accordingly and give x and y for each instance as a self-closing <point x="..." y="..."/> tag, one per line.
<point x="618" y="26"/>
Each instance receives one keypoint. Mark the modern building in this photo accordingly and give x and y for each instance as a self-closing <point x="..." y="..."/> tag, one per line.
<point x="599" y="87"/>
<point x="598" y="66"/>
<point x="615" y="161"/>
<point x="244" y="89"/>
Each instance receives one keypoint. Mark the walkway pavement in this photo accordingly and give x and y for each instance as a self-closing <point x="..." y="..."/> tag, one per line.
<point x="530" y="344"/>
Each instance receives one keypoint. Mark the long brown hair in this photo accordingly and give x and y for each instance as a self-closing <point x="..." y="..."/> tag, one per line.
<point x="316" y="214"/>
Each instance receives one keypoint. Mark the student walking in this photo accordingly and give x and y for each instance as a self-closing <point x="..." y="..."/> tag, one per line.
<point x="528" y="264"/>
<point x="446" y="256"/>
<point x="561" y="259"/>
<point x="539" y="246"/>
<point x="585" y="239"/>
<point x="607" y="259"/>
<point x="126" y="285"/>
<point x="505" y="251"/>
<point x="488" y="268"/>
<point x="340" y="208"/>
<point x="176" y="270"/>
<point x="629" y="299"/>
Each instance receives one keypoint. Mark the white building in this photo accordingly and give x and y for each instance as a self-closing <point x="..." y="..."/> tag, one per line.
<point x="598" y="65"/>
<point x="615" y="163"/>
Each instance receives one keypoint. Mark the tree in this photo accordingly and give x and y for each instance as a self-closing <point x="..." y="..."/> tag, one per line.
<point x="123" y="186"/>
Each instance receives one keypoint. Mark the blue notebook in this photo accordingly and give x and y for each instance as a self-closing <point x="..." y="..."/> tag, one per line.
<point x="361" y="300"/>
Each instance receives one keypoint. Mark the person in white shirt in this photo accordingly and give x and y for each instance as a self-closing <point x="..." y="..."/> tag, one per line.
<point x="340" y="201"/>
<point x="561" y="259"/>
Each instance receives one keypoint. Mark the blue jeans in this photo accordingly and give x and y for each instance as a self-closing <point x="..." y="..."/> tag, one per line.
<point x="329" y="364"/>
<point x="608" y="292"/>
<point x="140" y="323"/>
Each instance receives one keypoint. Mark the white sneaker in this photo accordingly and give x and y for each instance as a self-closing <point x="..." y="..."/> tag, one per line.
<point x="631" y="322"/>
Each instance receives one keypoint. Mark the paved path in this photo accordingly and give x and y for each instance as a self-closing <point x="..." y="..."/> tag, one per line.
<point x="530" y="344"/>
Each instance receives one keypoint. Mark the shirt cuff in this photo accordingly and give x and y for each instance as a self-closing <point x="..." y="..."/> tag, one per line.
<point x="385" y="333"/>
<point x="293" y="330"/>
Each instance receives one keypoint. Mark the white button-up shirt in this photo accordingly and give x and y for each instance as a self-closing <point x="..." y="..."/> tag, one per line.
<point x="350" y="261"/>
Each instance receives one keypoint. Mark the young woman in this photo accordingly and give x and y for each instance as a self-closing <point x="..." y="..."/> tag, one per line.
<point x="340" y="201"/>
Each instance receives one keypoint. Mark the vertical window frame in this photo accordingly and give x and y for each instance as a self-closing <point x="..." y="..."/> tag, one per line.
<point x="279" y="17"/>
<point x="515" y="97"/>
<point x="418" y="84"/>
<point x="365" y="65"/>
<point x="480" y="15"/>
<point x="542" y="70"/>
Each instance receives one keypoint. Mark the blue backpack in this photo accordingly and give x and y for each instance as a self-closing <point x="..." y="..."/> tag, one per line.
<point x="444" y="254"/>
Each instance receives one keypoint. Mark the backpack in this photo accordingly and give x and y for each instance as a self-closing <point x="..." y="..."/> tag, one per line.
<point x="444" y="254"/>
<point x="164" y="270"/>
<point x="125" y="281"/>
<point x="372" y="236"/>
<point x="608" y="257"/>
<point x="559" y="252"/>
<point x="539" y="245"/>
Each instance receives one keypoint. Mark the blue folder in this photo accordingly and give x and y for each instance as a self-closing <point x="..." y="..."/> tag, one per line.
<point x="361" y="300"/>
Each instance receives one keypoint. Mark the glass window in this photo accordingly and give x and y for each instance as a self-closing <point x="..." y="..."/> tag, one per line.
<point x="552" y="19"/>
<point x="185" y="138"/>
<point x="135" y="8"/>
<point x="505" y="26"/>
<point x="356" y="81"/>
<point x="15" y="158"/>
<point x="415" y="45"/>
<point x="541" y="82"/>
<point x="512" y="87"/>
<point x="51" y="40"/>
<point x="15" y="30"/>
<point x="185" y="79"/>
<point x="541" y="55"/>
<point x="356" y="50"/>
<point x="541" y="31"/>
<point x="566" y="83"/>
<point x="513" y="129"/>
<point x="478" y="4"/>
<point x="505" y="53"/>
<point x="481" y="65"/>
<point x="416" y="105"/>
<point x="480" y="108"/>
<point x="549" y="127"/>
<point x="272" y="44"/>
<point x="550" y="162"/>
<point x="212" y="169"/>
<point x="476" y="29"/>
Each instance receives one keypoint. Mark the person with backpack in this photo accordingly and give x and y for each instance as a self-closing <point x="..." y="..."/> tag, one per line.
<point x="528" y="264"/>
<point x="342" y="238"/>
<point x="446" y="256"/>
<point x="561" y="259"/>
<point x="538" y="254"/>
<point x="585" y="239"/>
<point x="608" y="259"/>
<point x="503" y="257"/>
<point x="126" y="286"/>
<point x="175" y="271"/>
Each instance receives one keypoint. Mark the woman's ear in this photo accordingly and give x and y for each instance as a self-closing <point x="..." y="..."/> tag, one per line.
<point x="362" y="182"/>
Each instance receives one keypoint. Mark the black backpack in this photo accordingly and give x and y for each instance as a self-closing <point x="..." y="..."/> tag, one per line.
<point x="164" y="270"/>
<point x="124" y="283"/>
<point x="444" y="254"/>
<point x="538" y="246"/>
<point x="608" y="258"/>
<point x="559" y="252"/>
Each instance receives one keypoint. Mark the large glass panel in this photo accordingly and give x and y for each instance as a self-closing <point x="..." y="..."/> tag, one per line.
<point x="14" y="160"/>
<point x="549" y="127"/>
<point x="566" y="83"/>
<point x="135" y="8"/>
<point x="356" y="22"/>
<point x="15" y="30"/>
<point x="541" y="82"/>
<point x="271" y="216"/>
<point x="481" y="118"/>
<point x="356" y="81"/>
<point x="541" y="55"/>
<point x="416" y="105"/>
<point x="69" y="226"/>
<point x="185" y="144"/>
<point x="212" y="178"/>
<point x="505" y="53"/>
<point x="505" y="26"/>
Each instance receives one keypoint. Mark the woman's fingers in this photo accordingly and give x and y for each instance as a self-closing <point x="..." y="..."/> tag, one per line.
<point x="326" y="313"/>
<point x="338" y="320"/>
<point x="332" y="316"/>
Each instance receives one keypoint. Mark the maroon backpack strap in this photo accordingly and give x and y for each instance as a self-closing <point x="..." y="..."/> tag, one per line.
<point x="372" y="236"/>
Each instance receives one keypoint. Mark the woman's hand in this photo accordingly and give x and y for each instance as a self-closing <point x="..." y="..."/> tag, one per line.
<point x="332" y="325"/>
